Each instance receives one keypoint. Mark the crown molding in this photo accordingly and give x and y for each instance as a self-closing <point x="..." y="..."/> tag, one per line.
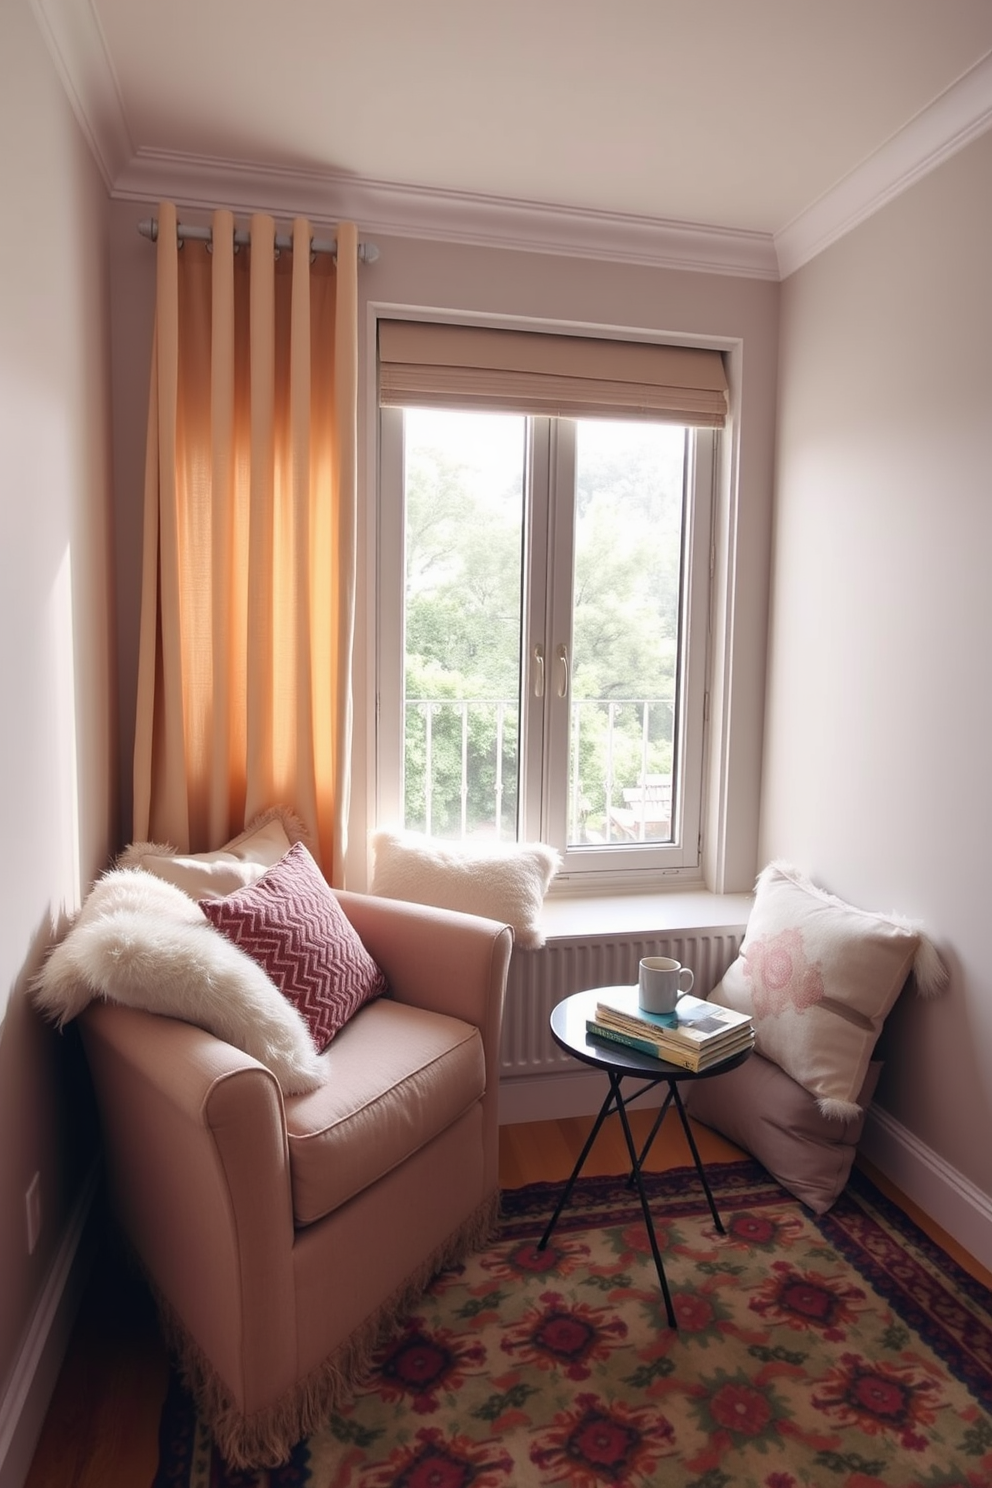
<point x="395" y="210"/>
<point x="76" y="45"/>
<point x="75" y="41"/>
<point x="958" y="116"/>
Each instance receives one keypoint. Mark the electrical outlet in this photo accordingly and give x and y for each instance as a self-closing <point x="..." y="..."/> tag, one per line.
<point x="32" y="1204"/>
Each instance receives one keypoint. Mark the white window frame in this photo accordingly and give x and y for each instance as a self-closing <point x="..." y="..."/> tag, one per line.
<point x="546" y="623"/>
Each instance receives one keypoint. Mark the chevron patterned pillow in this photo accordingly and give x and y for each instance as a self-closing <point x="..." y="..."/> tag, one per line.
<point x="290" y="922"/>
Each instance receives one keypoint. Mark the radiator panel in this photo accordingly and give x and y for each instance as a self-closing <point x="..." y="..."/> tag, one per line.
<point x="539" y="979"/>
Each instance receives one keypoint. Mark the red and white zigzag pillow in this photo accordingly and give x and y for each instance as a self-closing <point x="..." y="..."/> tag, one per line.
<point x="290" y="923"/>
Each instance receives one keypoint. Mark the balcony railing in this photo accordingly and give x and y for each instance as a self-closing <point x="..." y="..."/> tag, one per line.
<point x="461" y="763"/>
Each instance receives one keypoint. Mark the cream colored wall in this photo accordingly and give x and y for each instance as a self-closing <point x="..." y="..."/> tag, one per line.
<point x="58" y="743"/>
<point x="738" y="313"/>
<point x="877" y="769"/>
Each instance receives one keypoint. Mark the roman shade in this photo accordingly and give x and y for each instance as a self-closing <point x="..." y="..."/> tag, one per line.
<point x="455" y="366"/>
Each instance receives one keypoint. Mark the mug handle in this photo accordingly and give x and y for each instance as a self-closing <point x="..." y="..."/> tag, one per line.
<point x="686" y="971"/>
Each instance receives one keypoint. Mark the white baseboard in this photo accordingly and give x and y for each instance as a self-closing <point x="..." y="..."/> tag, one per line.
<point x="947" y="1196"/>
<point x="29" y="1389"/>
<point x="556" y="1096"/>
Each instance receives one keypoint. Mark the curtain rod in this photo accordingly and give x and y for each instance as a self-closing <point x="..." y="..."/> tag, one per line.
<point x="367" y="252"/>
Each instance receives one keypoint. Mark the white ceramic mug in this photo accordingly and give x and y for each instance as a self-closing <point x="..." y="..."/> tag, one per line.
<point x="661" y="982"/>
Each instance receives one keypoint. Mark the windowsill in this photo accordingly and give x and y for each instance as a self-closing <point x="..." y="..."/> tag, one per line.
<point x="578" y="916"/>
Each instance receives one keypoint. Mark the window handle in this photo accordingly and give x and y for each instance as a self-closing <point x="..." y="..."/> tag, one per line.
<point x="563" y="679"/>
<point x="539" y="671"/>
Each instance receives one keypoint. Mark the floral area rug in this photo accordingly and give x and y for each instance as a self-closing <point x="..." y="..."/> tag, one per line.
<point x="845" y="1351"/>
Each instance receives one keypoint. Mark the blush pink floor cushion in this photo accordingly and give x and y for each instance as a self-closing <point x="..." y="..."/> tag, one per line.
<point x="283" y="1234"/>
<point x="766" y="1112"/>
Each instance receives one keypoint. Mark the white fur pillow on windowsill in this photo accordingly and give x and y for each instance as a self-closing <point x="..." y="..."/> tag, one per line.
<point x="506" y="884"/>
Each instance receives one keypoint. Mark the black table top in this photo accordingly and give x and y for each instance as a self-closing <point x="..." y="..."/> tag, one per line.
<point x="568" y="1028"/>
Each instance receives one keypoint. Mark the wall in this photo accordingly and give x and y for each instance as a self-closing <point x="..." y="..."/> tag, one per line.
<point x="58" y="742"/>
<point x="877" y="778"/>
<point x="739" y="314"/>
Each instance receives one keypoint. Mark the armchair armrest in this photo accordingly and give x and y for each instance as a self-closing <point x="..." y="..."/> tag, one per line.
<point x="434" y="958"/>
<point x="198" y="1164"/>
<point x="438" y="959"/>
<point x="447" y="962"/>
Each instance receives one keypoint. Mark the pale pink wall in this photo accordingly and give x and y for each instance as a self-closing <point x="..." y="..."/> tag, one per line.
<point x="877" y="774"/>
<point x="58" y="743"/>
<point x="490" y="282"/>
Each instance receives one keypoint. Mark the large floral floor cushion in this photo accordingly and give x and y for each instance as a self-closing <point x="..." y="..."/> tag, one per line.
<point x="818" y="977"/>
<point x="766" y="1112"/>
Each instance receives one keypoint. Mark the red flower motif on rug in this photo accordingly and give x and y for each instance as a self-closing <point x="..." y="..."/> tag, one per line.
<point x="881" y="1397"/>
<point x="558" y="1335"/>
<point x="629" y="1244"/>
<point x="764" y="1231"/>
<point x="781" y="975"/>
<point x="734" y="1410"/>
<point x="701" y="1312"/>
<point x="595" y="1443"/>
<point x="558" y="1258"/>
<point x="807" y="1299"/>
<point x="422" y="1364"/>
<point x="432" y="1461"/>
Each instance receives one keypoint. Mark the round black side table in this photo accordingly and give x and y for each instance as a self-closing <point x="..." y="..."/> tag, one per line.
<point x="568" y="1029"/>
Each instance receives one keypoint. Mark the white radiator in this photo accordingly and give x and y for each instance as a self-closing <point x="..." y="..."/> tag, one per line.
<point x="540" y="979"/>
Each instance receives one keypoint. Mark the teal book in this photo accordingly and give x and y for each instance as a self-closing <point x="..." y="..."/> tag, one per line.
<point x="640" y="1045"/>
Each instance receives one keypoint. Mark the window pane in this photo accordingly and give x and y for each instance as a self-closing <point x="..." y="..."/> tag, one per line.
<point x="625" y="631"/>
<point x="463" y="572"/>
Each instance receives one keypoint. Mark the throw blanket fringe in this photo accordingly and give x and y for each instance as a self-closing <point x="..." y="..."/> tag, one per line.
<point x="266" y="1438"/>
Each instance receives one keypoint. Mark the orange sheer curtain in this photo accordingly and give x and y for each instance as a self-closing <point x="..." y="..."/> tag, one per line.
<point x="248" y="584"/>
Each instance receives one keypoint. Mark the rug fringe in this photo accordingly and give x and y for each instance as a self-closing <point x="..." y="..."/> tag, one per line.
<point x="266" y="1438"/>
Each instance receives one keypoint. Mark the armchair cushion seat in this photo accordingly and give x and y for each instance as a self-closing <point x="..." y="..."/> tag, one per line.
<point x="395" y="1077"/>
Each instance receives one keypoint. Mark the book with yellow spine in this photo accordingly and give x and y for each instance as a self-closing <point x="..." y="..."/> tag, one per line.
<point x="670" y="1053"/>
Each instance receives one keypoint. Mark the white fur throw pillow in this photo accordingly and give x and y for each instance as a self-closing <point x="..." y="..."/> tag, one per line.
<point x="212" y="875"/>
<point x="142" y="942"/>
<point x="819" y="978"/>
<point x="506" y="884"/>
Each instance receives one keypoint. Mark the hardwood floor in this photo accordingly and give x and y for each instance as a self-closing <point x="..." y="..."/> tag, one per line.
<point x="102" y="1424"/>
<point x="546" y="1150"/>
<point x="101" y="1430"/>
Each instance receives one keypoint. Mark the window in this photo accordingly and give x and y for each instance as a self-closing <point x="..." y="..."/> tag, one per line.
<point x="543" y="628"/>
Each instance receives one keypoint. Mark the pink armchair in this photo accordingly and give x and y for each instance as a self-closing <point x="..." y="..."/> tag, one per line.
<point x="282" y="1235"/>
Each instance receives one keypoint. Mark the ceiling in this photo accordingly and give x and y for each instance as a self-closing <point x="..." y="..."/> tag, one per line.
<point x="761" y="125"/>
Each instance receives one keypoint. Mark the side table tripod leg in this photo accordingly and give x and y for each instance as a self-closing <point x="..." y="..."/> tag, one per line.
<point x="645" y="1206"/>
<point x="566" y="1192"/>
<point x="698" y="1161"/>
<point x="662" y="1110"/>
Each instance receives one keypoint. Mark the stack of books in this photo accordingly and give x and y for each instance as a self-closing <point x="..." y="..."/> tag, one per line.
<point x="696" y="1036"/>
